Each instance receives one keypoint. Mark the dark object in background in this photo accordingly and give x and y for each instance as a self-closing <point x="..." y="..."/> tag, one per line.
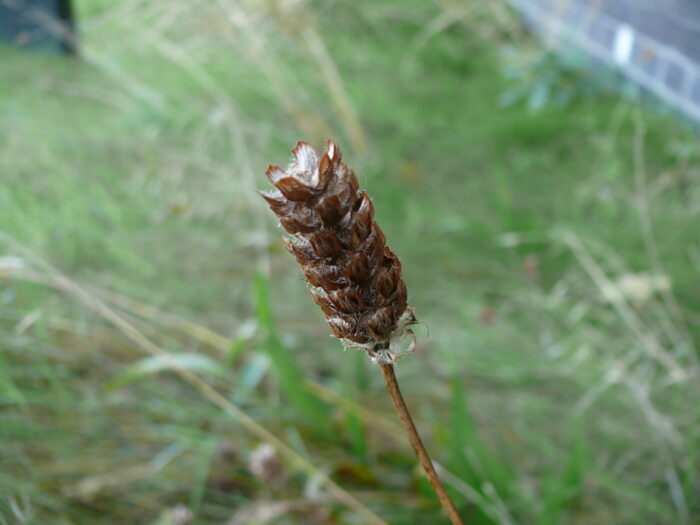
<point x="38" y="24"/>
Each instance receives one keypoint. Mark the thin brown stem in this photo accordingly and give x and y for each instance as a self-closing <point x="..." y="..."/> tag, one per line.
<point x="414" y="438"/>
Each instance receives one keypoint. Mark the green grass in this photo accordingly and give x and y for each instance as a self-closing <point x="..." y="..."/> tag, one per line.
<point x="133" y="171"/>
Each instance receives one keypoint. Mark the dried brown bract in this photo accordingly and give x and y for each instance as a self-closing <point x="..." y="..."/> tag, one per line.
<point x="355" y="277"/>
<point x="266" y="464"/>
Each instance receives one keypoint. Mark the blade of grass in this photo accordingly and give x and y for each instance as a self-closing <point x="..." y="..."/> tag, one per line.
<point x="462" y="438"/>
<point x="288" y="372"/>
<point x="563" y="491"/>
<point x="155" y="364"/>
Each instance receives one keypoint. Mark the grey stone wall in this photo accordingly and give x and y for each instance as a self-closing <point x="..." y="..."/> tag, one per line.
<point x="655" y="43"/>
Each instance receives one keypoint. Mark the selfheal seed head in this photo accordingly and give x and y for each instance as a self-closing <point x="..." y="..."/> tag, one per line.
<point x="355" y="278"/>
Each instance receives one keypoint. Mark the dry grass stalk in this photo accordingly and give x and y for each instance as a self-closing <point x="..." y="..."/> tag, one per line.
<point x="355" y="278"/>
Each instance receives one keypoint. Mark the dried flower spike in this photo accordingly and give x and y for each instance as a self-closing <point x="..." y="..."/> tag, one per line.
<point x="355" y="277"/>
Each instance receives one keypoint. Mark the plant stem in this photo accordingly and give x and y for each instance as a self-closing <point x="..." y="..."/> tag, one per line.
<point x="414" y="438"/>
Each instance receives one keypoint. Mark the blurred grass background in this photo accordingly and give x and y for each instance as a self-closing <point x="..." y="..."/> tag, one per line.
<point x="547" y="226"/>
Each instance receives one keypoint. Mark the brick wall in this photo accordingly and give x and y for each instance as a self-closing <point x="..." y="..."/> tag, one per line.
<point x="654" y="43"/>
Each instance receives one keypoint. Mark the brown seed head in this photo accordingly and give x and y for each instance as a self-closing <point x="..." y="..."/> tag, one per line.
<point x="355" y="277"/>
